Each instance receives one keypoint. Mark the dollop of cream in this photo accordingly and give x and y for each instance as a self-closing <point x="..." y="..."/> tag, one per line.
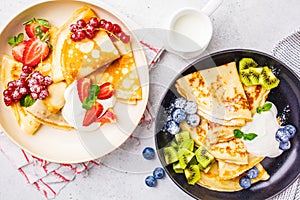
<point x="73" y="112"/>
<point x="265" y="126"/>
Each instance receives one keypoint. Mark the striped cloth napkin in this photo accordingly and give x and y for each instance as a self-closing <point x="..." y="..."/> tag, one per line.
<point x="50" y="178"/>
<point x="288" y="51"/>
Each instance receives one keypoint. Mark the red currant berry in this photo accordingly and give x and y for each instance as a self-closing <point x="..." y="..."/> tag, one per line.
<point x="21" y="83"/>
<point x="23" y="75"/>
<point x="74" y="37"/>
<point x="73" y="28"/>
<point x="108" y="26"/>
<point x="102" y="23"/>
<point x="43" y="94"/>
<point x="94" y="22"/>
<point x="8" y="100"/>
<point x="16" y="95"/>
<point x="80" y="34"/>
<point x="90" y="28"/>
<point x="48" y="80"/>
<point x="90" y="35"/>
<point x="34" y="95"/>
<point x="7" y="92"/>
<point x="35" y="89"/>
<point x="40" y="78"/>
<point x="124" y="37"/>
<point x="27" y="69"/>
<point x="11" y="84"/>
<point x="31" y="82"/>
<point x="81" y="24"/>
<point x="23" y="91"/>
<point x="116" y="29"/>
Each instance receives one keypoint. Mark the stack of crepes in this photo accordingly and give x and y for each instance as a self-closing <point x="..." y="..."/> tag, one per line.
<point x="102" y="59"/>
<point x="224" y="104"/>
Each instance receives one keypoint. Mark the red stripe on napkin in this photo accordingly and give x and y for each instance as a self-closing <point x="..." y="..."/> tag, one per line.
<point x="48" y="187"/>
<point x="155" y="50"/>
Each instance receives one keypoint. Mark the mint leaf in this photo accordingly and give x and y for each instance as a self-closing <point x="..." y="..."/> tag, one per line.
<point x="265" y="107"/>
<point x="27" y="101"/>
<point x="89" y="101"/>
<point x="249" y="136"/>
<point x="238" y="133"/>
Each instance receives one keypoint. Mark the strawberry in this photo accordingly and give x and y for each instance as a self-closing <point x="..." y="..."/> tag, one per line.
<point x="106" y="91"/>
<point x="18" y="51"/>
<point x="108" y="117"/>
<point x="92" y="114"/>
<point x="35" y="51"/>
<point x="36" y="27"/>
<point x="83" y="88"/>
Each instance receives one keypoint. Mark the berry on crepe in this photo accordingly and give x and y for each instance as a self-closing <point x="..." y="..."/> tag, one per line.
<point x="36" y="27"/>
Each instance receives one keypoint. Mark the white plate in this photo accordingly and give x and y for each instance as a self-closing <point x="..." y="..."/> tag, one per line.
<point x="71" y="146"/>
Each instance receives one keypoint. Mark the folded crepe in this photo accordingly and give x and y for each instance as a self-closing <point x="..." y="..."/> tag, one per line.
<point x="10" y="70"/>
<point x="72" y="60"/>
<point x="256" y="96"/>
<point x="213" y="181"/>
<point x="123" y="74"/>
<point x="219" y="94"/>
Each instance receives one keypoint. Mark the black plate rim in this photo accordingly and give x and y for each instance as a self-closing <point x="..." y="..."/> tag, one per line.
<point x="243" y="50"/>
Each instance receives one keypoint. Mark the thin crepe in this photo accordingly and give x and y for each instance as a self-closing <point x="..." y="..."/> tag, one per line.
<point x="219" y="94"/>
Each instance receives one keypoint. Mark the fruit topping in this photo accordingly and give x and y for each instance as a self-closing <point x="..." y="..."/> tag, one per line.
<point x="83" y="88"/>
<point x="108" y="117"/>
<point x="36" y="27"/>
<point x="148" y="153"/>
<point x="193" y="120"/>
<point x="192" y="174"/>
<point x="83" y="29"/>
<point x="172" y="127"/>
<point x="36" y="51"/>
<point x="170" y="155"/>
<point x="31" y="84"/>
<point x="18" y="51"/>
<point x="179" y="102"/>
<point x="290" y="130"/>
<point x="184" y="157"/>
<point x="281" y="135"/>
<point x="252" y="173"/>
<point x="92" y="114"/>
<point x="190" y="107"/>
<point x="246" y="63"/>
<point x="150" y="181"/>
<point x="204" y="157"/>
<point x="245" y="182"/>
<point x="158" y="173"/>
<point x="267" y="79"/>
<point x="106" y="91"/>
<point x="178" y="115"/>
<point x="284" y="145"/>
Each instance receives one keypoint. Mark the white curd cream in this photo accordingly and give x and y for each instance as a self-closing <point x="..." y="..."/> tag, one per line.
<point x="73" y="112"/>
<point x="265" y="126"/>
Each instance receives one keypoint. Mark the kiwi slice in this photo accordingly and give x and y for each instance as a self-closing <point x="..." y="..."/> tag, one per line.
<point x="187" y="144"/>
<point x="177" y="168"/>
<point x="170" y="155"/>
<point x="174" y="144"/>
<point x="254" y="75"/>
<point x="203" y="157"/>
<point x="184" y="157"/>
<point x="246" y="63"/>
<point x="182" y="136"/>
<point x="245" y="77"/>
<point x="267" y="79"/>
<point x="192" y="174"/>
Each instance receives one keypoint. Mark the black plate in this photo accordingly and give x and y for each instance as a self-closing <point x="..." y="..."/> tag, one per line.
<point x="284" y="169"/>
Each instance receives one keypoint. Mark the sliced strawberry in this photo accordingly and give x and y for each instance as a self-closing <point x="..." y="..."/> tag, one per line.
<point x="36" y="27"/>
<point x="35" y="51"/>
<point x="108" y="117"/>
<point x="92" y="114"/>
<point x="106" y="91"/>
<point x="18" y="51"/>
<point x="83" y="88"/>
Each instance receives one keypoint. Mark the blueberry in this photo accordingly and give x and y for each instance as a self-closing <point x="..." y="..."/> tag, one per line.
<point x="282" y="135"/>
<point x="178" y="115"/>
<point x="190" y="107"/>
<point x="284" y="145"/>
<point x="159" y="173"/>
<point x="193" y="120"/>
<point x="252" y="173"/>
<point x="172" y="127"/>
<point x="150" y="181"/>
<point x="148" y="153"/>
<point x="179" y="102"/>
<point x="245" y="182"/>
<point x="290" y="130"/>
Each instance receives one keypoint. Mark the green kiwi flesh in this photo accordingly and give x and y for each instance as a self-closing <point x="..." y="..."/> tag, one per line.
<point x="187" y="144"/>
<point x="182" y="136"/>
<point x="184" y="157"/>
<point x="192" y="174"/>
<point x="170" y="155"/>
<point x="203" y="157"/>
<point x="267" y="79"/>
<point x="245" y="77"/>
<point x="177" y="168"/>
<point x="246" y="63"/>
<point x="254" y="75"/>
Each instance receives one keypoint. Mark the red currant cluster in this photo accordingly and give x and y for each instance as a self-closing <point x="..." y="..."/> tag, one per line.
<point x="82" y="30"/>
<point x="30" y="82"/>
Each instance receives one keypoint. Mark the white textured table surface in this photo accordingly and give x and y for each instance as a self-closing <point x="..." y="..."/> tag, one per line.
<point x="256" y="24"/>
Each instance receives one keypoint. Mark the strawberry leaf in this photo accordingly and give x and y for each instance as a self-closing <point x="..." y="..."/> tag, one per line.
<point x="43" y="22"/>
<point x="14" y="41"/>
